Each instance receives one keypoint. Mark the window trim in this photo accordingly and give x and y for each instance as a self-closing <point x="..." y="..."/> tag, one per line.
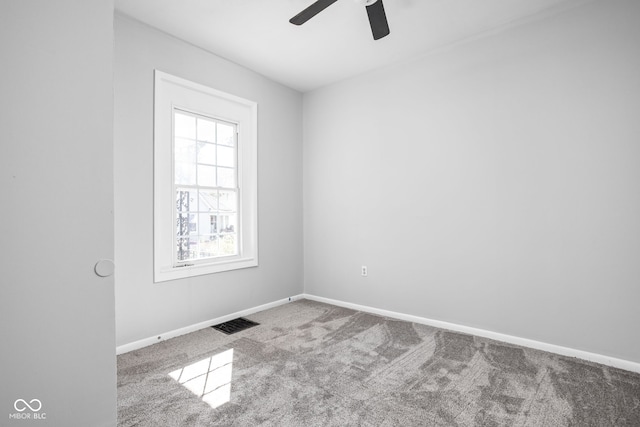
<point x="172" y="93"/>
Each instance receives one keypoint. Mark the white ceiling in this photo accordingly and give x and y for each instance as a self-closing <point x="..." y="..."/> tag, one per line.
<point x="335" y="44"/>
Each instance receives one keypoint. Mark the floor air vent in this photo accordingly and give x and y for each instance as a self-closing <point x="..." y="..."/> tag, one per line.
<point x="235" y="325"/>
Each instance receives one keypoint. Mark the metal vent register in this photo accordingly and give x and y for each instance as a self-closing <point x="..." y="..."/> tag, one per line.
<point x="235" y="325"/>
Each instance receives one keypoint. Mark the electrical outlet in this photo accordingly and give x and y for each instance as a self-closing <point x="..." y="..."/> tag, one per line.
<point x="364" y="271"/>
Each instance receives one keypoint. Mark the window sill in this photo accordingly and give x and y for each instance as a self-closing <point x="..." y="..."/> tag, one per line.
<point x="174" y="273"/>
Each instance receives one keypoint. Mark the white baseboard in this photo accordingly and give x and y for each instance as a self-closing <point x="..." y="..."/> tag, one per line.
<point x="552" y="348"/>
<point x="125" y="348"/>
<point x="538" y="345"/>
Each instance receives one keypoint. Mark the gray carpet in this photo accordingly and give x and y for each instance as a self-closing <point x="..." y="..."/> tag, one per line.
<point x="313" y="364"/>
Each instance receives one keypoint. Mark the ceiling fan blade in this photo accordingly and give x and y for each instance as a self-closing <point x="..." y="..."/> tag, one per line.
<point x="378" y="20"/>
<point x="311" y="11"/>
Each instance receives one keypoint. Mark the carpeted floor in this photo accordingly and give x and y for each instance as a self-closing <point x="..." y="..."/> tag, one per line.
<point x="313" y="364"/>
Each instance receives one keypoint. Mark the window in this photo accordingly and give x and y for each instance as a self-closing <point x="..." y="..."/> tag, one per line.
<point x="205" y="180"/>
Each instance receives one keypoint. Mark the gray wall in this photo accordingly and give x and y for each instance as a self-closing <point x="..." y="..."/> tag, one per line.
<point x="494" y="184"/>
<point x="144" y="308"/>
<point x="56" y="175"/>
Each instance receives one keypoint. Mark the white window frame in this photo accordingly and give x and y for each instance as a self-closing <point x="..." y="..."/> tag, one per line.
<point x="172" y="93"/>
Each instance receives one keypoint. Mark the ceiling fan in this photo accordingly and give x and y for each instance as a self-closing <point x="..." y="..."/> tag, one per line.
<point x="375" y="11"/>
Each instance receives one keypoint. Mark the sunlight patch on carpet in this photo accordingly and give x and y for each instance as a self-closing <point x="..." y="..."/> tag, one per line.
<point x="209" y="379"/>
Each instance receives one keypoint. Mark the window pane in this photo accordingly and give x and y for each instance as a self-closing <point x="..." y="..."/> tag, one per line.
<point x="186" y="249"/>
<point x="185" y="126"/>
<point x="226" y="156"/>
<point x="206" y="130"/>
<point x="228" y="201"/>
<point x="182" y="225"/>
<point x="208" y="201"/>
<point x="185" y="200"/>
<point x="226" y="177"/>
<point x="228" y="244"/>
<point x="185" y="150"/>
<point x="225" y="134"/>
<point x="207" y="176"/>
<point x="185" y="173"/>
<point x="207" y="223"/>
<point x="206" y="153"/>
<point x="227" y="223"/>
<point x="186" y="225"/>
<point x="214" y="224"/>
<point x="209" y="246"/>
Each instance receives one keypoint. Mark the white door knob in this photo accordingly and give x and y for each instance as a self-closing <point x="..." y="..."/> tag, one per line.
<point x="104" y="268"/>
